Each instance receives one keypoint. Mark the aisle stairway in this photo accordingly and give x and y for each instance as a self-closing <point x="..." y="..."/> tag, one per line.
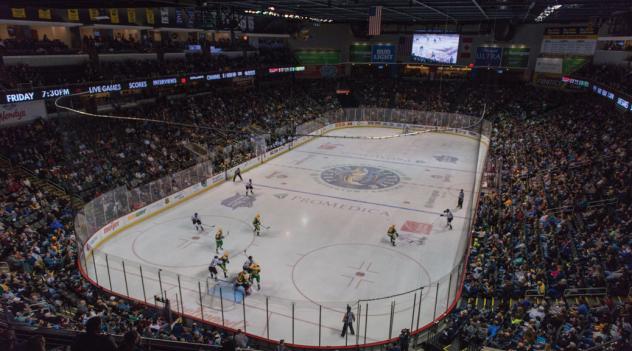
<point x="50" y="187"/>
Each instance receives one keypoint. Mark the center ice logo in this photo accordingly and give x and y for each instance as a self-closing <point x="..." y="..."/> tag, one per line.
<point x="238" y="200"/>
<point x="360" y="177"/>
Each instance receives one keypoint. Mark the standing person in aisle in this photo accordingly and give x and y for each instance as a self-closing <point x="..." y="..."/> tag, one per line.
<point x="219" y="240"/>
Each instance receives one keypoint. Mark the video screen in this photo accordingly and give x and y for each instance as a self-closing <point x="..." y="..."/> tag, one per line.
<point x="435" y="48"/>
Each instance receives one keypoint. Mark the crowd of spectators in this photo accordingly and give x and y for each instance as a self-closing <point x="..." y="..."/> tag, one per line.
<point x="115" y="43"/>
<point x="43" y="287"/>
<point x="36" y="237"/>
<point x="13" y="76"/>
<point x="45" y="46"/>
<point x="118" y="44"/>
<point x="617" y="77"/>
<point x="617" y="45"/>
<point x="559" y="220"/>
<point x="89" y="158"/>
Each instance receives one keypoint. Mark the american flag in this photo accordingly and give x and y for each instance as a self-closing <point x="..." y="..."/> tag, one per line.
<point x="375" y="20"/>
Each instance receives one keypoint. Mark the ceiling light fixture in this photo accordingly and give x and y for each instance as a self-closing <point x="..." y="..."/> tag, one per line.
<point x="272" y="13"/>
<point x="547" y="12"/>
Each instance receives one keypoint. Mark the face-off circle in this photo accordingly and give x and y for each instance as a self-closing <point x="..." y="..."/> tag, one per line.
<point x="360" y="271"/>
<point x="360" y="177"/>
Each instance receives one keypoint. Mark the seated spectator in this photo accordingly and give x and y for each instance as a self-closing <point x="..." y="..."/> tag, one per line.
<point x="92" y="339"/>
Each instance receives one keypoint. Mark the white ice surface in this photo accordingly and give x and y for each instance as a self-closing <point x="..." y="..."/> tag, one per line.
<point x="326" y="245"/>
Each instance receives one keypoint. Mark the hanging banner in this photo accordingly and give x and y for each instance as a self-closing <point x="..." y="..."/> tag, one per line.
<point x="73" y="15"/>
<point x="164" y="15"/>
<point x="149" y="14"/>
<point x="44" y="14"/>
<point x="318" y="57"/>
<point x="383" y="53"/>
<point x="360" y="52"/>
<point x="131" y="16"/>
<point x="573" y="64"/>
<point x="13" y="114"/>
<point x="93" y="13"/>
<point x="516" y="57"/>
<point x="114" y="15"/>
<point x="551" y="65"/>
<point x="576" y="30"/>
<point x="569" y="46"/>
<point x="18" y="12"/>
<point x="488" y="56"/>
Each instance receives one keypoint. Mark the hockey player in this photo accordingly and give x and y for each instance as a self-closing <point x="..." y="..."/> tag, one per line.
<point x="392" y="234"/>
<point x="449" y="217"/>
<point x="249" y="188"/>
<point x="255" y="271"/>
<point x="212" y="268"/>
<point x="197" y="223"/>
<point x="219" y="240"/>
<point x="249" y="262"/>
<point x="223" y="264"/>
<point x="256" y="223"/>
<point x="243" y="280"/>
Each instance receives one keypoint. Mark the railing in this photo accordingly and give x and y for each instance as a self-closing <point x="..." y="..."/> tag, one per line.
<point x="65" y="338"/>
<point x="302" y="323"/>
<point x="579" y="292"/>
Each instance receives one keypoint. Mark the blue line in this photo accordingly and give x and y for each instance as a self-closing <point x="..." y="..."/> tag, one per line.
<point x="352" y="200"/>
<point x="385" y="161"/>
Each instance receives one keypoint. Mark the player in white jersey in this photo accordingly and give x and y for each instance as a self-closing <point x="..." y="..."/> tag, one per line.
<point x="249" y="262"/>
<point x="212" y="268"/>
<point x="449" y="217"/>
<point x="197" y="222"/>
<point x="249" y="188"/>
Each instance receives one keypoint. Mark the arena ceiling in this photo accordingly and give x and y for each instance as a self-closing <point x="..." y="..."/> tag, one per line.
<point x="395" y="11"/>
<point x="446" y="10"/>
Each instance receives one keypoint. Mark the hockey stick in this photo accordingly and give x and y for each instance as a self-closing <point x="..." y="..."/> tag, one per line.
<point x="208" y="225"/>
<point x="267" y="228"/>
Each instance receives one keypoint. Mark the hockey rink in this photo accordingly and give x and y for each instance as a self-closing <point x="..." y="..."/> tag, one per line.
<point x="328" y="204"/>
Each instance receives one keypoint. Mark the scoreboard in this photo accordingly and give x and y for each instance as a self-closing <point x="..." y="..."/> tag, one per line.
<point x="10" y="97"/>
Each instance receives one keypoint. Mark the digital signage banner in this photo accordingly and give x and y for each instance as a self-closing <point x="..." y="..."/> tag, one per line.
<point x="13" y="114"/>
<point x="488" y="56"/>
<point x="516" y="57"/>
<point x="24" y="96"/>
<point x="435" y="48"/>
<point x="360" y="52"/>
<point x="384" y="53"/>
<point x="318" y="57"/>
